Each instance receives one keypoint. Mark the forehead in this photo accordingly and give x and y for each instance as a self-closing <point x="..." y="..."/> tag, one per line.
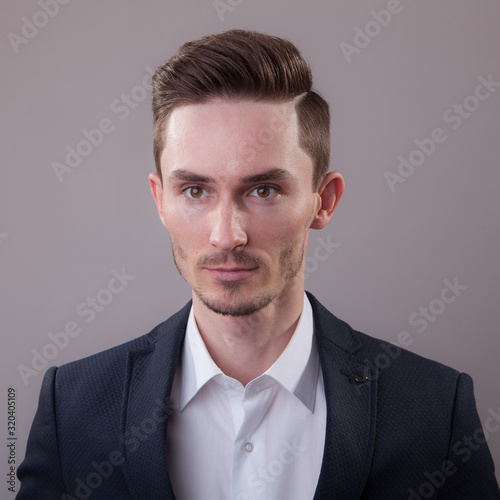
<point x="243" y="135"/>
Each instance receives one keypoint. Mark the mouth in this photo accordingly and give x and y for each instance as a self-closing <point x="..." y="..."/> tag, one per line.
<point x="230" y="273"/>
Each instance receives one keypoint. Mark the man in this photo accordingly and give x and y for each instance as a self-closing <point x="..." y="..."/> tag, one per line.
<point x="253" y="389"/>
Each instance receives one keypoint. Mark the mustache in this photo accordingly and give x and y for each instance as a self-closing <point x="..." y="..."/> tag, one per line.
<point x="239" y="256"/>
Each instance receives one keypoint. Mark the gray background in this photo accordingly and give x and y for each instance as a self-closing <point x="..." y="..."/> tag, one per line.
<point x="60" y="241"/>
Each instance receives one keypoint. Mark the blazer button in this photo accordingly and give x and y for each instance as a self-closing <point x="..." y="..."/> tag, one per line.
<point x="360" y="378"/>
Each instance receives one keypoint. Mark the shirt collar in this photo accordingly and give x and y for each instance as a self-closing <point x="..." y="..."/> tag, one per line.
<point x="197" y="366"/>
<point x="296" y="369"/>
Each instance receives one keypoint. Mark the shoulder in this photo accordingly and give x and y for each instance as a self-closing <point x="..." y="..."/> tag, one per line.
<point x="414" y="394"/>
<point x="109" y="367"/>
<point x="383" y="360"/>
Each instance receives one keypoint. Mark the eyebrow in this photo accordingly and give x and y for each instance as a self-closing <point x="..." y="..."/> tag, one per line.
<point x="185" y="175"/>
<point x="273" y="174"/>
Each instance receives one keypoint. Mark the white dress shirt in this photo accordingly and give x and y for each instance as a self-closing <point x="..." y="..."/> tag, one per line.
<point x="262" y="441"/>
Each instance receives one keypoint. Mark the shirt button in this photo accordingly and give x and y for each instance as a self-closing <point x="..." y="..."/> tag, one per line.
<point x="248" y="447"/>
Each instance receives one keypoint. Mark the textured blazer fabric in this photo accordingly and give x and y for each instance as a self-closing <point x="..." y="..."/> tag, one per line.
<point x="399" y="426"/>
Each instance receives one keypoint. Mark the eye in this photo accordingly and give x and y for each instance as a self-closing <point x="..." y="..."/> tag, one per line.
<point x="264" y="191"/>
<point x="195" y="192"/>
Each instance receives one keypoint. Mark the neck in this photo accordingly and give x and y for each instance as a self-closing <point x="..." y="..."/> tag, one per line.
<point x="244" y="347"/>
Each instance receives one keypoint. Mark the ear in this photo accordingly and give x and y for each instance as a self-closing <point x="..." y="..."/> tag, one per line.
<point x="157" y="192"/>
<point x="329" y="193"/>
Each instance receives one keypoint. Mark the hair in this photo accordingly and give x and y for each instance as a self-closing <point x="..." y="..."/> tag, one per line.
<point x="240" y="64"/>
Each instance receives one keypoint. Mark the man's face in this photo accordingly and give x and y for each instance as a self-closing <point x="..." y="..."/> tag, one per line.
<point x="238" y="201"/>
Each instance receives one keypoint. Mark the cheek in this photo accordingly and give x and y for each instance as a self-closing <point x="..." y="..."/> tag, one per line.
<point x="179" y="250"/>
<point x="177" y="218"/>
<point x="276" y="234"/>
<point x="183" y="225"/>
<point x="186" y="238"/>
<point x="291" y="222"/>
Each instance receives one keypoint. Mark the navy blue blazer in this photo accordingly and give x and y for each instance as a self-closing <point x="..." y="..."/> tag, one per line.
<point x="407" y="430"/>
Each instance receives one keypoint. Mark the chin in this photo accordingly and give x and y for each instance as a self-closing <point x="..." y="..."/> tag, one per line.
<point x="232" y="302"/>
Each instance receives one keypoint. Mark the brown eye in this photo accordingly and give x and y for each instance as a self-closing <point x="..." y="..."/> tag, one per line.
<point x="263" y="191"/>
<point x="195" y="192"/>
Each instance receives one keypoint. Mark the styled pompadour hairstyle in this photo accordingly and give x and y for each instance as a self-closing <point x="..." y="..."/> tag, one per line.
<point x="240" y="64"/>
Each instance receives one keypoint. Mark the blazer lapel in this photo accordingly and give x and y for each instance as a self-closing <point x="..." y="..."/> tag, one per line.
<point x="351" y="409"/>
<point x="150" y="375"/>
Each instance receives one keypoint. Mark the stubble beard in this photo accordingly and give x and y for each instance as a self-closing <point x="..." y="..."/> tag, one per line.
<point x="291" y="258"/>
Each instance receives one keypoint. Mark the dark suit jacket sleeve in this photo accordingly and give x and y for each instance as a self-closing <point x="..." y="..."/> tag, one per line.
<point x="40" y="473"/>
<point x="469" y="472"/>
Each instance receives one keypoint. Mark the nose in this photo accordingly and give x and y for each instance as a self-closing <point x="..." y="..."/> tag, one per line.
<point x="227" y="232"/>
